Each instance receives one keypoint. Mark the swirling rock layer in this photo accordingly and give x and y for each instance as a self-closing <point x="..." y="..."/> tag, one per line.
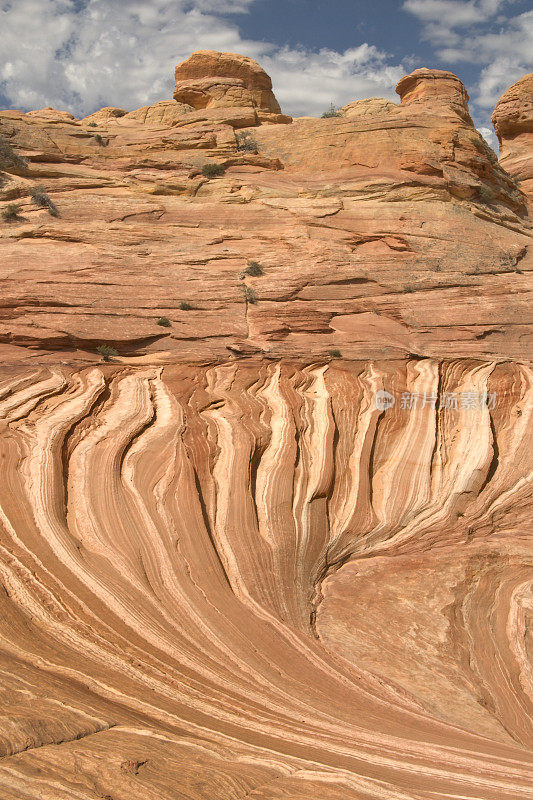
<point x="228" y="569"/>
<point x="249" y="581"/>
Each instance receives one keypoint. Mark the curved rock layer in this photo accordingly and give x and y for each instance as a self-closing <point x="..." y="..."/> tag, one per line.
<point x="280" y="547"/>
<point x="251" y="582"/>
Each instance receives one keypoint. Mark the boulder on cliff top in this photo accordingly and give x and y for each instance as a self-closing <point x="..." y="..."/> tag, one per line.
<point x="513" y="114"/>
<point x="373" y="106"/>
<point x="105" y="114"/>
<point x="210" y="79"/>
<point x="428" y="85"/>
<point x="513" y="122"/>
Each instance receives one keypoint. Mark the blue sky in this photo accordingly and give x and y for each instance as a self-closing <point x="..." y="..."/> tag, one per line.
<point x="78" y="55"/>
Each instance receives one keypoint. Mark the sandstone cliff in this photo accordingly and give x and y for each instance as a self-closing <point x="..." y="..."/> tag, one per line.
<point x="226" y="570"/>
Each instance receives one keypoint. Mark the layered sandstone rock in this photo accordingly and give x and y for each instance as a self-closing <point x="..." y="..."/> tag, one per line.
<point x="209" y="79"/>
<point x="383" y="233"/>
<point x="227" y="568"/>
<point x="513" y="122"/>
<point x="435" y="87"/>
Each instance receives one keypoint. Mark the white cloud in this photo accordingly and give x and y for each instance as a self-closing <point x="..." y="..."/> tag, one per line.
<point x="489" y="136"/>
<point x="79" y="56"/>
<point x="475" y="31"/>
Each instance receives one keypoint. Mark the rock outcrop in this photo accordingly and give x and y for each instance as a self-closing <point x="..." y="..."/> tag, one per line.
<point x="513" y="122"/>
<point x="209" y="79"/>
<point x="266" y="404"/>
<point x="435" y="88"/>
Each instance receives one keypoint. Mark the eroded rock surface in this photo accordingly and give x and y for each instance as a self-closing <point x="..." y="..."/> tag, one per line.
<point x="513" y="122"/>
<point x="226" y="569"/>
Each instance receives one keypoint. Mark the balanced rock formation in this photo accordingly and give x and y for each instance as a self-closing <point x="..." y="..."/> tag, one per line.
<point x="266" y="476"/>
<point x="209" y="79"/>
<point x="435" y="86"/>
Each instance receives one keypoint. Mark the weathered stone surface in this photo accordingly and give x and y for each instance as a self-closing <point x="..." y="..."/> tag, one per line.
<point x="431" y="87"/>
<point x="513" y="122"/>
<point x="209" y="79"/>
<point x="105" y="114"/>
<point x="225" y="569"/>
<point x="374" y="106"/>
<point x="388" y="232"/>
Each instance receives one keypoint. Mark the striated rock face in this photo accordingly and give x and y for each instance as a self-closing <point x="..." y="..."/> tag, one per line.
<point x="279" y="547"/>
<point x="389" y="231"/>
<point x="209" y="79"/>
<point x="513" y="122"/>
<point x="249" y="580"/>
<point x="435" y="87"/>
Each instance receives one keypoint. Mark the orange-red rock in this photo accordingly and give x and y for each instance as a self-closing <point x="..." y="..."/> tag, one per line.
<point x="513" y="122"/>
<point x="209" y="79"/>
<point x="226" y="570"/>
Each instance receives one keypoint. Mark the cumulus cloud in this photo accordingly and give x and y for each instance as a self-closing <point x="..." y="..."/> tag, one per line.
<point x="482" y="32"/>
<point x="79" y="55"/>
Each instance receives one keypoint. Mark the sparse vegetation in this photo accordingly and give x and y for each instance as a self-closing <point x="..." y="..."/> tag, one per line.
<point x="43" y="200"/>
<point x="93" y="124"/>
<point x="11" y="212"/>
<point x="335" y="354"/>
<point x="408" y="289"/>
<point x="212" y="170"/>
<point x="485" y="194"/>
<point x="246" y="143"/>
<point x="185" y="306"/>
<point x="106" y="352"/>
<point x="9" y="160"/>
<point x="164" y="322"/>
<point x="249" y="295"/>
<point x="100" y="140"/>
<point x="331" y="112"/>
<point x="254" y="269"/>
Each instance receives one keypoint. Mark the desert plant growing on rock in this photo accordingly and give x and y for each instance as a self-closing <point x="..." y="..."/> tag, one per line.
<point x="106" y="352"/>
<point x="11" y="212"/>
<point x="331" y="112"/>
<point x="185" y="306"/>
<point x="249" y="295"/>
<point x="254" y="269"/>
<point x="43" y="200"/>
<point x="212" y="170"/>
<point x="164" y="322"/>
<point x="246" y="143"/>
<point x="9" y="160"/>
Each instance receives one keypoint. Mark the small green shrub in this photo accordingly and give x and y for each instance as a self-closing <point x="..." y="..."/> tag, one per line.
<point x="246" y="143"/>
<point x="254" y="269"/>
<point x="106" y="352"/>
<point x="11" y="212"/>
<point x="185" y="306"/>
<point x="249" y="295"/>
<point x="164" y="322"/>
<point x="485" y="194"/>
<point x="331" y="112"/>
<point x="43" y="200"/>
<point x="93" y="124"/>
<point x="335" y="354"/>
<point x="9" y="159"/>
<point x="100" y="140"/>
<point x="212" y="170"/>
<point x="408" y="289"/>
